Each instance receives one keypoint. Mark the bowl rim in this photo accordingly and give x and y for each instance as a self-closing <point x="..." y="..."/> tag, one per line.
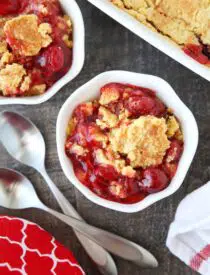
<point x="155" y="39"/>
<point x="188" y="123"/>
<point x="75" y="14"/>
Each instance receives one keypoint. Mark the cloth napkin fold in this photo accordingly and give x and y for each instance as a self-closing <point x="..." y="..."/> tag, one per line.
<point x="189" y="234"/>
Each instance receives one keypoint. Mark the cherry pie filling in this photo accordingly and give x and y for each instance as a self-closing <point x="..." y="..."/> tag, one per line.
<point x="200" y="53"/>
<point x="35" y="46"/>
<point x="126" y="145"/>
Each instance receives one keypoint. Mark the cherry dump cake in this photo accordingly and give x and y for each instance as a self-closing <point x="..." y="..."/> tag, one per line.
<point x="35" y="46"/>
<point x="186" y="22"/>
<point x="125" y="145"/>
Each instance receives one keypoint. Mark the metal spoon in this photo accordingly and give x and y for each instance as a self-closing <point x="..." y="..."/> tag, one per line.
<point x="28" y="147"/>
<point x="25" y="143"/>
<point x="17" y="192"/>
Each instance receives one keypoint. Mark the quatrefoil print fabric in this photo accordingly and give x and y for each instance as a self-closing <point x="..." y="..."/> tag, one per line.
<point x="25" y="248"/>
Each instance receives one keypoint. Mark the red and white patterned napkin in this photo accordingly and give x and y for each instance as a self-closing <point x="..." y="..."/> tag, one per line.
<point x="25" y="248"/>
<point x="189" y="234"/>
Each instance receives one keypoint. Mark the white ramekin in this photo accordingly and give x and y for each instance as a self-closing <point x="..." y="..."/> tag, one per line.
<point x="90" y="91"/>
<point x="73" y="10"/>
<point x="155" y="39"/>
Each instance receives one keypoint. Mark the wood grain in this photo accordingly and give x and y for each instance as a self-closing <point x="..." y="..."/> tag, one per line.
<point x="111" y="46"/>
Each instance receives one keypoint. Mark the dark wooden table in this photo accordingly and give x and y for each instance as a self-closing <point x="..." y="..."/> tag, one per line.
<point x="111" y="46"/>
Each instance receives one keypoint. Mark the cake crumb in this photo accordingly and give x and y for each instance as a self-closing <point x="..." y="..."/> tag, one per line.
<point x="172" y="125"/>
<point x="143" y="141"/>
<point x="45" y="30"/>
<point x="108" y="119"/>
<point x="103" y="158"/>
<point x="118" y="190"/>
<point x="24" y="36"/>
<point x="129" y="172"/>
<point x="25" y="84"/>
<point x="78" y="150"/>
<point x="6" y="58"/>
<point x="10" y="78"/>
<point x="67" y="41"/>
<point x="37" y="89"/>
<point x="108" y="95"/>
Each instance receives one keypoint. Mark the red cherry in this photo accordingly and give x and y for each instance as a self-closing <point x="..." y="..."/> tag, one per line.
<point x="174" y="152"/>
<point x="159" y="108"/>
<point x="140" y="105"/>
<point x="107" y="172"/>
<point x="154" y="180"/>
<point x="51" y="60"/>
<point x="196" y="52"/>
<point x="9" y="7"/>
<point x="139" y="91"/>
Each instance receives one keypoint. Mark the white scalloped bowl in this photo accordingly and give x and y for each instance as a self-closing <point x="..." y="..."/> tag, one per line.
<point x="73" y="10"/>
<point x="165" y="92"/>
<point x="155" y="39"/>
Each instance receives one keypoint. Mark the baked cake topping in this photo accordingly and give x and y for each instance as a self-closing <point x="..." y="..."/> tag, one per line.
<point x="11" y="78"/>
<point x="37" y="37"/>
<point x="144" y="141"/>
<point x="125" y="145"/>
<point x="25" y="36"/>
<point x="185" y="22"/>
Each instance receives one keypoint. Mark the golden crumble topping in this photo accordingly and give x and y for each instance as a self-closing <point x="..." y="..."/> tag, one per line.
<point x="87" y="108"/>
<point x="117" y="189"/>
<point x="67" y="41"/>
<point x="173" y="126"/>
<point x="71" y="126"/>
<point x="45" y="30"/>
<point x="144" y="141"/>
<point x="27" y="37"/>
<point x="78" y="150"/>
<point x="184" y="21"/>
<point x="11" y="77"/>
<point x="68" y="21"/>
<point x="108" y="95"/>
<point x="108" y="119"/>
<point x="37" y="89"/>
<point x="100" y="137"/>
<point x="129" y="172"/>
<point x="3" y="21"/>
<point x="6" y="58"/>
<point x="3" y="47"/>
<point x="25" y="84"/>
<point x="103" y="157"/>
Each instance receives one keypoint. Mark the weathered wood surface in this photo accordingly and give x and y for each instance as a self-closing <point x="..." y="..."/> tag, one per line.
<point x="111" y="46"/>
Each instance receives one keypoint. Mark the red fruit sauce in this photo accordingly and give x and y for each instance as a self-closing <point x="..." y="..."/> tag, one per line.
<point x="101" y="179"/>
<point x="198" y="52"/>
<point x="9" y="7"/>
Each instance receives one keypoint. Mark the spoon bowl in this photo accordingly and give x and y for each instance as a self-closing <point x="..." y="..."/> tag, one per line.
<point x="17" y="192"/>
<point x="28" y="147"/>
<point x="24" y="134"/>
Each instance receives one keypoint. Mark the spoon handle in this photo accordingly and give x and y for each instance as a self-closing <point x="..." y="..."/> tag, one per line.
<point x="111" y="242"/>
<point x="97" y="253"/>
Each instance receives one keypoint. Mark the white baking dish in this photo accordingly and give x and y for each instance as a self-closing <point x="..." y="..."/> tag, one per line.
<point x="91" y="90"/>
<point x="73" y="10"/>
<point x="155" y="39"/>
